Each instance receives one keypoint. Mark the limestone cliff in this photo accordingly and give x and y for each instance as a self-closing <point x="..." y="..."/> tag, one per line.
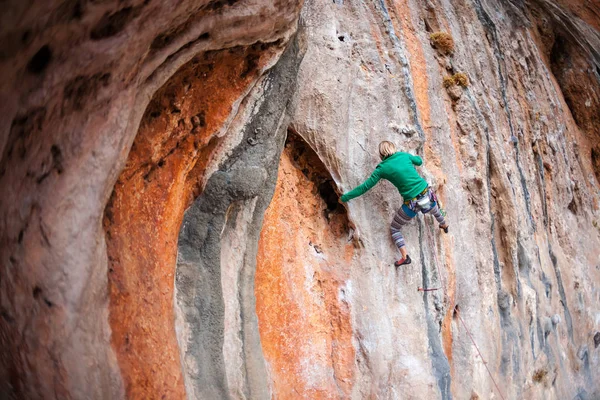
<point x="169" y="223"/>
<point x="513" y="155"/>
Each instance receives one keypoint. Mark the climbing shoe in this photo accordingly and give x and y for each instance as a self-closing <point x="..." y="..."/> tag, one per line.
<point x="445" y="229"/>
<point x="403" y="261"/>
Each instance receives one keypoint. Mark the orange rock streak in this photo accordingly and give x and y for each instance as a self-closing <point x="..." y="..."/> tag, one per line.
<point x="164" y="172"/>
<point x="302" y="267"/>
<point x="451" y="293"/>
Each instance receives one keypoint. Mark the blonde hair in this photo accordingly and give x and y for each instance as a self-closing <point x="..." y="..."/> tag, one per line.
<point x="386" y="149"/>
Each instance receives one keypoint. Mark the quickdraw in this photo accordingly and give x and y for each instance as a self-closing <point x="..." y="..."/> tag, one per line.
<point x="427" y="289"/>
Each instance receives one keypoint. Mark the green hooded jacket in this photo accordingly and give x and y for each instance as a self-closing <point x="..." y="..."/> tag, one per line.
<point x="399" y="168"/>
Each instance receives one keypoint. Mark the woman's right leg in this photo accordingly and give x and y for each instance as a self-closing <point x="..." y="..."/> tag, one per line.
<point x="437" y="213"/>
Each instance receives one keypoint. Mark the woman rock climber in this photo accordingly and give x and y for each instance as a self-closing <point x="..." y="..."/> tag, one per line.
<point x="399" y="168"/>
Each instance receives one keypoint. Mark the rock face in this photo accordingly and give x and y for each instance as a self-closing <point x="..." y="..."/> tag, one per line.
<point x="81" y="82"/>
<point x="169" y="224"/>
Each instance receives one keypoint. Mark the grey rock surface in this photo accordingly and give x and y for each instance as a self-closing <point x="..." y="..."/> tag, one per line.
<point x="233" y="201"/>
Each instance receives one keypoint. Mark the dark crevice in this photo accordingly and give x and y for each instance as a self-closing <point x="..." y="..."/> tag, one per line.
<point x="199" y="120"/>
<point x="57" y="159"/>
<point x="558" y="53"/>
<point x="6" y="316"/>
<point x="77" y="11"/>
<point x="251" y="64"/>
<point x="547" y="286"/>
<point x="39" y="62"/>
<point x="38" y="294"/>
<point x="327" y="193"/>
<point x="572" y="206"/>
<point x="307" y="161"/>
<point x="456" y="311"/>
<point x="595" y="156"/>
<point x="25" y="37"/>
<point x="42" y="177"/>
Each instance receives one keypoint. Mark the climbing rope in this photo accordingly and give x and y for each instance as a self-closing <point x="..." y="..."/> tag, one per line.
<point x="443" y="287"/>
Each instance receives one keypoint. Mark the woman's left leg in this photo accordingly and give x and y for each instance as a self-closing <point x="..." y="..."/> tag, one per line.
<point x="401" y="218"/>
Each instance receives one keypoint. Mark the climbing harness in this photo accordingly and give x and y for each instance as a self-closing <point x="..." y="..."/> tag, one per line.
<point x="424" y="202"/>
<point x="443" y="287"/>
<point x="413" y="201"/>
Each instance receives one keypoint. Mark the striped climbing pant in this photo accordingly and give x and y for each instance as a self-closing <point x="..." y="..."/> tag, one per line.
<point x="407" y="212"/>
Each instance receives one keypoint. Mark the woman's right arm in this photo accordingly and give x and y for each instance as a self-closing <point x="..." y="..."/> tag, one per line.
<point x="364" y="187"/>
